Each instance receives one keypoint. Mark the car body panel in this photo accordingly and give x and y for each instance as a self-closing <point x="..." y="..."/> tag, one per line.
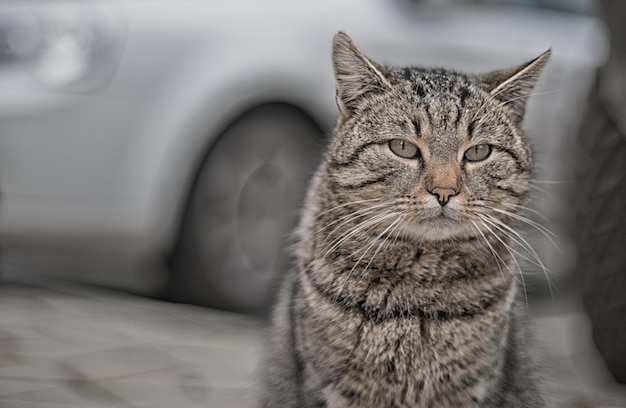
<point x="115" y="161"/>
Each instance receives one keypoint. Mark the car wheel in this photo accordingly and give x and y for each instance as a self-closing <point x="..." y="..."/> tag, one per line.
<point x="600" y="198"/>
<point x="242" y="208"/>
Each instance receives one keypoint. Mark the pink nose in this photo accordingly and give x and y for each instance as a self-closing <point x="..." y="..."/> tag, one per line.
<point x="443" y="194"/>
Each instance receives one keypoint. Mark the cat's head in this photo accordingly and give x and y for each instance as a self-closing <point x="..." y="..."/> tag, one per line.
<point x="441" y="152"/>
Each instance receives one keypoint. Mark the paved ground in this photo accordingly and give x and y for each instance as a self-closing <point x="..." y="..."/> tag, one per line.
<point x="74" y="346"/>
<point x="79" y="347"/>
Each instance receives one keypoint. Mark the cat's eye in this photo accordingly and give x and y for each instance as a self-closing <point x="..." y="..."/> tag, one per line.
<point x="404" y="149"/>
<point x="478" y="152"/>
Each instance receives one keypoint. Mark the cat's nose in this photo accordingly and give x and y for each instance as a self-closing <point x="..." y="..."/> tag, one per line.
<point x="444" y="194"/>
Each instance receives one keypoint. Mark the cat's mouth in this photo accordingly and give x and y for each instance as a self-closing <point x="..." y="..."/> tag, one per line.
<point x="444" y="214"/>
<point x="443" y="219"/>
<point x="441" y="224"/>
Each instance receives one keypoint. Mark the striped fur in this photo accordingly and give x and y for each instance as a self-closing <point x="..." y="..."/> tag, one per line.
<point x="395" y="300"/>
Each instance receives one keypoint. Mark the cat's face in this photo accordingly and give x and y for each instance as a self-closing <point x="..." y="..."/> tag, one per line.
<point x="441" y="153"/>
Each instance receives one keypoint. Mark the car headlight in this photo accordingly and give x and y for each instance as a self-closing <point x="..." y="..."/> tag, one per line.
<point x="71" y="45"/>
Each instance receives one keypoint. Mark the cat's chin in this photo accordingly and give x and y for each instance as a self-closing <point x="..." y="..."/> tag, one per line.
<point x="439" y="229"/>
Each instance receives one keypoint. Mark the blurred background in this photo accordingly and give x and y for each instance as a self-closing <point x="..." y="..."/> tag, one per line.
<point x="154" y="155"/>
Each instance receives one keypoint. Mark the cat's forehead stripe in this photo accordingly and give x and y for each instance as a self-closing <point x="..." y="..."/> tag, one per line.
<point x="441" y="114"/>
<point x="419" y="90"/>
<point x="416" y="127"/>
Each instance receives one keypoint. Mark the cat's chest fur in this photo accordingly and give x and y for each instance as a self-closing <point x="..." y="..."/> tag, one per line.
<point x="401" y="339"/>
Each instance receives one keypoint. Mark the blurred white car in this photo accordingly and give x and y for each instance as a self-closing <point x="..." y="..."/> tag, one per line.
<point x="186" y="129"/>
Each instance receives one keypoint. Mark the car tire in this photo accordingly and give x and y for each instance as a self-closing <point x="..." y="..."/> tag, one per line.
<point x="244" y="204"/>
<point x="600" y="197"/>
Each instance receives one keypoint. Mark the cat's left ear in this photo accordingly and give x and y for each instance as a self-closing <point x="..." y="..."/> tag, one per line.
<point x="513" y="86"/>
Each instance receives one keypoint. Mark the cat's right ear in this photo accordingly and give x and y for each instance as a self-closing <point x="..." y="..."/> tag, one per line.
<point x="356" y="75"/>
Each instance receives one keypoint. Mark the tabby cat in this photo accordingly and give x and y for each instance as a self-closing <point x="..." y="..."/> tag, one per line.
<point x="404" y="291"/>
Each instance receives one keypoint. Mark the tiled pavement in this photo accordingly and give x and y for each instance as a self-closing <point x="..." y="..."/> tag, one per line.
<point x="87" y="348"/>
<point x="75" y="346"/>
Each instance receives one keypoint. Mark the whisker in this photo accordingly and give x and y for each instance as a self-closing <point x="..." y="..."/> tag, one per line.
<point x="350" y="217"/>
<point x="368" y="248"/>
<point x="497" y="257"/>
<point x="541" y="190"/>
<point x="551" y="236"/>
<point x="337" y="207"/>
<point x="552" y="181"/>
<point x="510" y="251"/>
<point x="517" y="238"/>
<point x="546" y="232"/>
<point x="528" y="209"/>
<point x="397" y="222"/>
<point x="528" y="95"/>
<point x="491" y="97"/>
<point x="358" y="229"/>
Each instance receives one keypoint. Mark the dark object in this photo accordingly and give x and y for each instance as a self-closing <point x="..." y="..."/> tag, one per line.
<point x="242" y="208"/>
<point x="601" y="201"/>
<point x="601" y="234"/>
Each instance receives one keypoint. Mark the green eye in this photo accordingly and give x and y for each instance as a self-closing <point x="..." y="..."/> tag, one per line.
<point x="404" y="149"/>
<point x="478" y="152"/>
